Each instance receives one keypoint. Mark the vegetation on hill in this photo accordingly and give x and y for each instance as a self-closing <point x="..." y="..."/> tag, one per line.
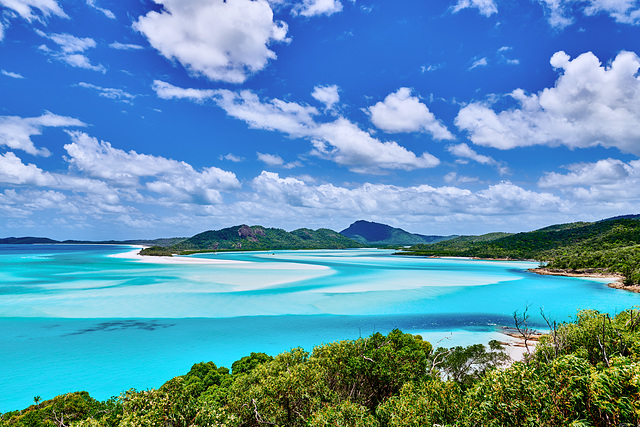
<point x="584" y="373"/>
<point x="26" y="241"/>
<point x="609" y="246"/>
<point x="375" y="234"/>
<point x="244" y="237"/>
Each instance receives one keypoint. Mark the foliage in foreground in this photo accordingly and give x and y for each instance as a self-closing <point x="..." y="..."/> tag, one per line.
<point x="584" y="373"/>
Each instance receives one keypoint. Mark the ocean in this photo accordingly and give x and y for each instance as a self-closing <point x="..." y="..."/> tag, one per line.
<point x="100" y="319"/>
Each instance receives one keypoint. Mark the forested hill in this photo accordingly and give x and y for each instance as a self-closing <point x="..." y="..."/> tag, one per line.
<point x="243" y="237"/>
<point x="611" y="245"/>
<point x="376" y="234"/>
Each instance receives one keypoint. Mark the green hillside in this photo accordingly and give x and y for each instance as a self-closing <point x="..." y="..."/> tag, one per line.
<point x="244" y="237"/>
<point x="609" y="246"/>
<point x="376" y="234"/>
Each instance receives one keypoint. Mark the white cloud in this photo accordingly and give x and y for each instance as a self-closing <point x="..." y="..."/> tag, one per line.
<point x="275" y="160"/>
<point x="463" y="150"/>
<point x="485" y="7"/>
<point x="166" y="90"/>
<point x="12" y="75"/>
<point x="589" y="105"/>
<point x="178" y="180"/>
<point x="231" y="158"/>
<point x="430" y="68"/>
<point x="341" y="140"/>
<point x="71" y="50"/>
<point x="125" y="46"/>
<point x="310" y="8"/>
<point x="34" y="9"/>
<point x="503" y="57"/>
<point x="453" y="177"/>
<point x="107" y="92"/>
<point x="345" y="143"/>
<point x="389" y="200"/>
<point x="401" y="112"/>
<point x="605" y="182"/>
<point x="106" y="12"/>
<point x="13" y="171"/>
<point x="16" y="132"/>
<point x="560" y="13"/>
<point x="482" y="62"/>
<point x="601" y="173"/>
<point x="2" y="29"/>
<point x="270" y="159"/>
<point x="223" y="41"/>
<point x="289" y="117"/>
<point x="328" y="95"/>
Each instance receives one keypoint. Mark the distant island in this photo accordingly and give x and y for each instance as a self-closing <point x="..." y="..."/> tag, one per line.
<point x="254" y="238"/>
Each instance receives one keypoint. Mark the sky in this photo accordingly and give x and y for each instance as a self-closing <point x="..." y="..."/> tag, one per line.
<point x="146" y="119"/>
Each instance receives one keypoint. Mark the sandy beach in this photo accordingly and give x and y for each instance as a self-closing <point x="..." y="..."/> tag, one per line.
<point x="135" y="255"/>
<point x="616" y="279"/>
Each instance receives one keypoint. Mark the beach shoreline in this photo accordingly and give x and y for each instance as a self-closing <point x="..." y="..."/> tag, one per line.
<point x="135" y="255"/>
<point x="616" y="279"/>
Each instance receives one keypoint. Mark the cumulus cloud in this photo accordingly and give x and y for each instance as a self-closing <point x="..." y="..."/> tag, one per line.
<point x="589" y="105"/>
<point x="328" y="95"/>
<point x="341" y="140"/>
<point x="345" y="143"/>
<point x="13" y="171"/>
<point x="221" y="40"/>
<point x="422" y="200"/>
<point x="401" y="112"/>
<point x="605" y="181"/>
<point x="16" y="132"/>
<point x="310" y="8"/>
<point x="71" y="50"/>
<point x="560" y="13"/>
<point x="173" y="178"/>
<point x="485" y="7"/>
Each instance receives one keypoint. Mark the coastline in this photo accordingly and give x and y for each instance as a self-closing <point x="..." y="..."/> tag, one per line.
<point x="616" y="279"/>
<point x="135" y="255"/>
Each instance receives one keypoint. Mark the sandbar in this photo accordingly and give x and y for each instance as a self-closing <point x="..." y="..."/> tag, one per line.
<point x="135" y="255"/>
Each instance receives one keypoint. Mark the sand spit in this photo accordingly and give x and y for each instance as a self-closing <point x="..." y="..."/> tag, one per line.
<point x="135" y="255"/>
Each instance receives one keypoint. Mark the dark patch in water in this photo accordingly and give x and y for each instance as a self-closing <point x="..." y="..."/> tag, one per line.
<point x="119" y="325"/>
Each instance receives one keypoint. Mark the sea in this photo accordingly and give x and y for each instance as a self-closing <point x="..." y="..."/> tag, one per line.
<point x="102" y="319"/>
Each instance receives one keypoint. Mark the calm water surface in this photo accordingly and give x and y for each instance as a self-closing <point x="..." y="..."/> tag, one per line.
<point x="74" y="317"/>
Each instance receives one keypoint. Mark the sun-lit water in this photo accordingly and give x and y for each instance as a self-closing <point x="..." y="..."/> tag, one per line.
<point x="78" y="318"/>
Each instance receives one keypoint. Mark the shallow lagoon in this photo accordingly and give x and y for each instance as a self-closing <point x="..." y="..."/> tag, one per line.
<point x="80" y="318"/>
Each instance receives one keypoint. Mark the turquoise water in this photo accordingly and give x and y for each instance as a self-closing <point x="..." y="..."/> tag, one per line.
<point x="78" y="318"/>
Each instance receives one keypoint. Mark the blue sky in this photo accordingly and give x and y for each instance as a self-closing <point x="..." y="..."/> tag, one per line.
<point x="144" y="119"/>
